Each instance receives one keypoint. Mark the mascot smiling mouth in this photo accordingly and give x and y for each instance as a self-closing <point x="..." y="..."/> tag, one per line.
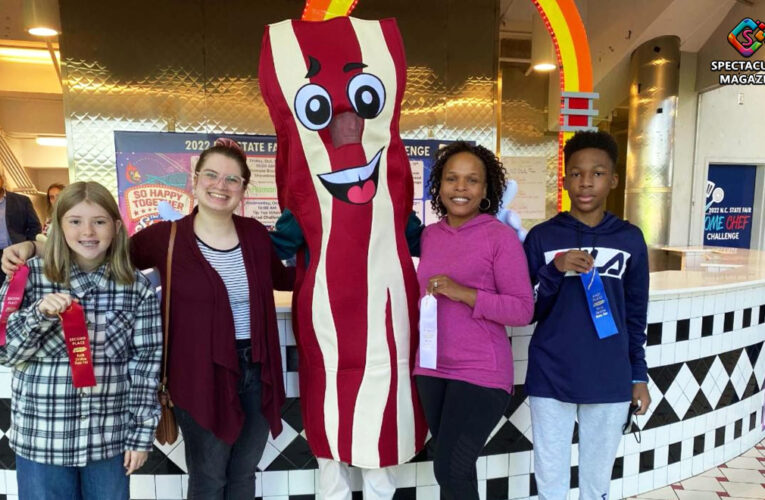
<point x="355" y="185"/>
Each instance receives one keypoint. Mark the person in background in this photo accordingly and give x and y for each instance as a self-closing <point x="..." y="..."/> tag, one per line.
<point x="70" y="442"/>
<point x="53" y="191"/>
<point x="475" y="267"/>
<point x="578" y="370"/>
<point x="224" y="364"/>
<point x="18" y="220"/>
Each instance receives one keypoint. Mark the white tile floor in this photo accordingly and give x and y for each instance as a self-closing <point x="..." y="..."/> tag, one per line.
<point x="741" y="478"/>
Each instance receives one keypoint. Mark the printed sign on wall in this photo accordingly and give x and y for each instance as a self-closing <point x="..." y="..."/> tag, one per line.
<point x="729" y="205"/>
<point x="530" y="172"/>
<point x="155" y="173"/>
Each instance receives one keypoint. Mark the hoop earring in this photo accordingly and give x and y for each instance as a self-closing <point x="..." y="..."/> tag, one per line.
<point x="487" y="206"/>
<point x="438" y="199"/>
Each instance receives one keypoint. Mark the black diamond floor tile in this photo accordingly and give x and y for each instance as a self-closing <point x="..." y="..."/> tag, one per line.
<point x="663" y="376"/>
<point x="7" y="456"/>
<point x="699" y="406"/>
<point x="753" y="351"/>
<point x="507" y="440"/>
<point x="292" y="415"/>
<point x="159" y="464"/>
<point x="662" y="415"/>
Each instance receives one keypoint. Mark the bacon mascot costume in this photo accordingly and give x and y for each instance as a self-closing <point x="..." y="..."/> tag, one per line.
<point x="334" y="89"/>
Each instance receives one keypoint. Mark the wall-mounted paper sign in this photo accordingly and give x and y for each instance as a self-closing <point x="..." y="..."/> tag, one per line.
<point x="530" y="172"/>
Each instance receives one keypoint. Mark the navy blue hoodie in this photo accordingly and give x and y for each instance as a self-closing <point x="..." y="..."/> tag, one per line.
<point x="567" y="360"/>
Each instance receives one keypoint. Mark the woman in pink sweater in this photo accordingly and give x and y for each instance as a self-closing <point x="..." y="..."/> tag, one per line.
<point x="476" y="269"/>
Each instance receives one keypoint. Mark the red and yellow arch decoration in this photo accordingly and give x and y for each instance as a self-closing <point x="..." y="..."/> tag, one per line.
<point x="321" y="10"/>
<point x="561" y="17"/>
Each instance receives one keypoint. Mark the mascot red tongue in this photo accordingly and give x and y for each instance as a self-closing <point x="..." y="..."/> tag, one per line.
<point x="334" y="91"/>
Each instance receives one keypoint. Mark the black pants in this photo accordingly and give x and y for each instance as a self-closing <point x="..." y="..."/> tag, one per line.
<point x="217" y="470"/>
<point x="460" y="416"/>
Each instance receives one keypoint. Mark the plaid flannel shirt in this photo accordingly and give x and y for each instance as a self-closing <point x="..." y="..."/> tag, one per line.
<point x="51" y="421"/>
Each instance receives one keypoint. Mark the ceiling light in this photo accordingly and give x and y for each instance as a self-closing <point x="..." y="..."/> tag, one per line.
<point x="42" y="31"/>
<point x="41" y="17"/>
<point x="59" y="142"/>
<point x="542" y="51"/>
<point x="544" y="67"/>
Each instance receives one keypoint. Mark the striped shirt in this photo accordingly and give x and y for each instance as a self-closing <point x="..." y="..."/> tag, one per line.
<point x="230" y="266"/>
<point x="51" y="421"/>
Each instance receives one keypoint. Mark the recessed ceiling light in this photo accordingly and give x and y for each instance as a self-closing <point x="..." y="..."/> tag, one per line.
<point x="42" y="31"/>
<point x="544" y="67"/>
<point x="59" y="142"/>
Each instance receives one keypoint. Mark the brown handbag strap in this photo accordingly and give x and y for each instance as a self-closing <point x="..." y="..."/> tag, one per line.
<point x="166" y="297"/>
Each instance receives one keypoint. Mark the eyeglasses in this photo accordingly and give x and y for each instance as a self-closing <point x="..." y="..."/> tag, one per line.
<point x="212" y="177"/>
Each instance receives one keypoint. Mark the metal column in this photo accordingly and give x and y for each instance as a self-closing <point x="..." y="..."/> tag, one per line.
<point x="654" y="86"/>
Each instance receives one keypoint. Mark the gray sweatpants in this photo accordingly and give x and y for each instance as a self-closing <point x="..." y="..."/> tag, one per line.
<point x="600" y="429"/>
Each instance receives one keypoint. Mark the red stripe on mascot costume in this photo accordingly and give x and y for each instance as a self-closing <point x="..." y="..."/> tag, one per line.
<point x="334" y="91"/>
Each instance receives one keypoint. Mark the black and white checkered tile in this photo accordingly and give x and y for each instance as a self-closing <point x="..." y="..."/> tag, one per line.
<point x="707" y="378"/>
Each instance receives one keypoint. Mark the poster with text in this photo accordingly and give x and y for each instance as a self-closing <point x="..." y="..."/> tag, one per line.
<point x="155" y="172"/>
<point x="530" y="172"/>
<point x="729" y="205"/>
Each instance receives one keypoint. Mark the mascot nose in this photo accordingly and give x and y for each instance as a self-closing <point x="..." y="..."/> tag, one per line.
<point x="346" y="128"/>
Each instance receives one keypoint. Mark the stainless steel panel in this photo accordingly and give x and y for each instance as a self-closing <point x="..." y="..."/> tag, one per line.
<point x="191" y="66"/>
<point x="654" y="86"/>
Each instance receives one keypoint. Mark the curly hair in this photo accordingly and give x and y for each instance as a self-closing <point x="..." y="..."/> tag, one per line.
<point x="495" y="176"/>
<point x="596" y="139"/>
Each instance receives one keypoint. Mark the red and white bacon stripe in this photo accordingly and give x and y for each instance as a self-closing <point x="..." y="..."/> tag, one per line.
<point x="356" y="306"/>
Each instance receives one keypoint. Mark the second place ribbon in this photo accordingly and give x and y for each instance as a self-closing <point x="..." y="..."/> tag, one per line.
<point x="78" y="346"/>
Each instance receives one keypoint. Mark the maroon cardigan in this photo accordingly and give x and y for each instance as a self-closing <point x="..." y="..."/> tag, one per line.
<point x="203" y="370"/>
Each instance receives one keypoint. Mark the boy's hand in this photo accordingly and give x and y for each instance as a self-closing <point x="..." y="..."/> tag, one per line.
<point x="574" y="260"/>
<point x="15" y="256"/>
<point x="641" y="397"/>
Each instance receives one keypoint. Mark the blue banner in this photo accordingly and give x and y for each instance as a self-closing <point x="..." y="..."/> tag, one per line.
<point x="729" y="205"/>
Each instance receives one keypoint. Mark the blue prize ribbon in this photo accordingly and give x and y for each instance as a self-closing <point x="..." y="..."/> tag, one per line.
<point x="600" y="310"/>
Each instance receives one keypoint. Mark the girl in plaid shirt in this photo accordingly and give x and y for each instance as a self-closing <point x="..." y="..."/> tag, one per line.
<point x="83" y="443"/>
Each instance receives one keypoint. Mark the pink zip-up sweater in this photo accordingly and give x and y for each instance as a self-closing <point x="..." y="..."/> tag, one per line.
<point x="486" y="255"/>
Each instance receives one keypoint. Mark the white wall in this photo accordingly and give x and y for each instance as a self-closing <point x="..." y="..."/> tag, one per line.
<point x="682" y="155"/>
<point x="727" y="132"/>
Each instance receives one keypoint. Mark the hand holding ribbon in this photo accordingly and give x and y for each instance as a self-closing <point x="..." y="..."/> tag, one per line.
<point x="574" y="260"/>
<point x="13" y="298"/>
<point x="53" y="304"/>
<point x="441" y="284"/>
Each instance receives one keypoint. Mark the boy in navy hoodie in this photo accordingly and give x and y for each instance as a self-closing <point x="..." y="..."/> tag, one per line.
<point x="576" y="371"/>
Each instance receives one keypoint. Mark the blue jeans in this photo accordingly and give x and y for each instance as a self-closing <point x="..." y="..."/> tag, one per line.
<point x="95" y="481"/>
<point x="218" y="470"/>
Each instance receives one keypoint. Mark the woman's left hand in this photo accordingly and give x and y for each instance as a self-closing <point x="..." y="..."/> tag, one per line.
<point x="134" y="460"/>
<point x="441" y="284"/>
